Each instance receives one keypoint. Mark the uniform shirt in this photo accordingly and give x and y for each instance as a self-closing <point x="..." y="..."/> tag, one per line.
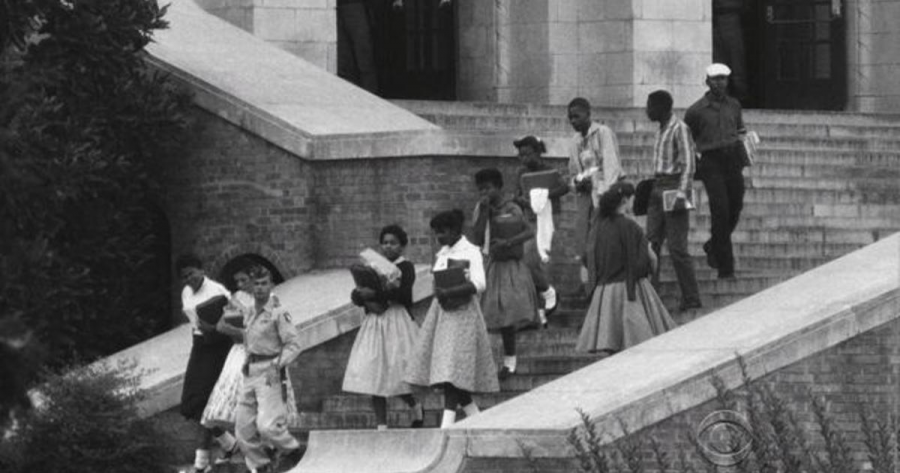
<point x="271" y="332"/>
<point x="190" y="299"/>
<point x="463" y="250"/>
<point x="673" y="152"/>
<point x="715" y="123"/>
<point x="597" y="149"/>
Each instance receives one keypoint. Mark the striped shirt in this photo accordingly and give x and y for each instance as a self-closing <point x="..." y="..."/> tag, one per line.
<point x="673" y="152"/>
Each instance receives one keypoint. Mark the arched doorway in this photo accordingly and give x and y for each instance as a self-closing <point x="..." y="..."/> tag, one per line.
<point x="226" y="276"/>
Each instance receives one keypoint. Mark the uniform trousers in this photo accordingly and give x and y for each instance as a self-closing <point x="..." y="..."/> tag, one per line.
<point x="261" y="417"/>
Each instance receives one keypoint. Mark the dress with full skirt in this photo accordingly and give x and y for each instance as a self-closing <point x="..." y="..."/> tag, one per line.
<point x="614" y="323"/>
<point x="380" y="353"/>
<point x="454" y="347"/>
<point x="510" y="299"/>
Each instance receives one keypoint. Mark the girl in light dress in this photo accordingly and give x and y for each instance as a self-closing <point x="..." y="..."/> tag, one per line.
<point x="625" y="309"/>
<point x="385" y="340"/>
<point x="454" y="350"/>
<point x="509" y="301"/>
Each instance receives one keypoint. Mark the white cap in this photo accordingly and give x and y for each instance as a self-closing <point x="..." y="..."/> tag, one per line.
<point x="717" y="69"/>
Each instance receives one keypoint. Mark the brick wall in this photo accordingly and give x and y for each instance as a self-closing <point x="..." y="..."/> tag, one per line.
<point x="234" y="193"/>
<point x="860" y="371"/>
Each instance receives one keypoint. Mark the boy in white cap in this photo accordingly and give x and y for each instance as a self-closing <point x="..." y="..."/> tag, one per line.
<point x="716" y="123"/>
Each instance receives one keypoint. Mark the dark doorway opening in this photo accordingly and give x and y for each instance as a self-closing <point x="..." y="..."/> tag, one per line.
<point x="226" y="276"/>
<point x="402" y="51"/>
<point x="795" y="52"/>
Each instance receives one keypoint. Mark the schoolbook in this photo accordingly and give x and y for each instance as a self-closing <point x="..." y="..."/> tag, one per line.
<point x="669" y="198"/>
<point x="210" y="311"/>
<point x="548" y="179"/>
<point x="367" y="277"/>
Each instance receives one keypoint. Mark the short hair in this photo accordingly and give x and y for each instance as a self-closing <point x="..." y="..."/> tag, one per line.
<point x="395" y="230"/>
<point x="259" y="271"/>
<point x="661" y="98"/>
<point x="187" y="261"/>
<point x="581" y="103"/>
<point x="613" y="197"/>
<point x="448" y="220"/>
<point x="533" y="142"/>
<point x="489" y="176"/>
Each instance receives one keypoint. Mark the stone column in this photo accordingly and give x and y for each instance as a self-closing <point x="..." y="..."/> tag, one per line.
<point x="307" y="28"/>
<point x="612" y="52"/>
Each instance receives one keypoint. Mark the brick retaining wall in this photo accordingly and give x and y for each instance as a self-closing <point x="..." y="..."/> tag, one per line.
<point x="863" y="370"/>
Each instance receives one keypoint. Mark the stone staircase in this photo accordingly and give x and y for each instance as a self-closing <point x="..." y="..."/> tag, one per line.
<point x="824" y="185"/>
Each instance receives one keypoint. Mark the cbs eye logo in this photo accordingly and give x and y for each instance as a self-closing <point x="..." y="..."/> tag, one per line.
<point x="724" y="438"/>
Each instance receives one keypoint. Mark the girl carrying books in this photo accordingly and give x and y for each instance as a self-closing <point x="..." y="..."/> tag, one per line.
<point x="386" y="337"/>
<point x="510" y="301"/>
<point x="454" y="350"/>
<point x="625" y="309"/>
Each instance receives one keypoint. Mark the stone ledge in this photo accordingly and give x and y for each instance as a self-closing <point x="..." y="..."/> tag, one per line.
<point x="318" y="301"/>
<point x="395" y="451"/>
<point x="264" y="89"/>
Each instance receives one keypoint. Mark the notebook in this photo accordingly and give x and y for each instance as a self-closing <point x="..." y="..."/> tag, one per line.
<point x="210" y="311"/>
<point x="669" y="198"/>
<point x="548" y="179"/>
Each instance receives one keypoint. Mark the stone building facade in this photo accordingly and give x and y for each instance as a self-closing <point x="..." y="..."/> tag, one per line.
<point x="842" y="52"/>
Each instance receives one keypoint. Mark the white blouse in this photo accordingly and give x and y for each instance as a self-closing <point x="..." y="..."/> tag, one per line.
<point x="190" y="299"/>
<point x="463" y="250"/>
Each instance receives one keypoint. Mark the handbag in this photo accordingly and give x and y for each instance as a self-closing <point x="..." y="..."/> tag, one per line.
<point x="642" y="196"/>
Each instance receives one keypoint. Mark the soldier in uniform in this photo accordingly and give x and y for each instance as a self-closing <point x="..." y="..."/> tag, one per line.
<point x="272" y="344"/>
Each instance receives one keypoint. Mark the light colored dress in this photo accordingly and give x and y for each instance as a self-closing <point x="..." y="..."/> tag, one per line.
<point x="454" y="346"/>
<point x="384" y="344"/>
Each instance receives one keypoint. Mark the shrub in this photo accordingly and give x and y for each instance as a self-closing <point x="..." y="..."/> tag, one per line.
<point x="87" y="422"/>
<point x="83" y="126"/>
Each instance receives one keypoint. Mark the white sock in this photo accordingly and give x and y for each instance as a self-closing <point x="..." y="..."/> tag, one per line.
<point x="549" y="298"/>
<point x="226" y="441"/>
<point x="471" y="409"/>
<point x="381" y="427"/>
<point x="201" y="458"/>
<point x="448" y="419"/>
<point x="510" y="362"/>
<point x="542" y="314"/>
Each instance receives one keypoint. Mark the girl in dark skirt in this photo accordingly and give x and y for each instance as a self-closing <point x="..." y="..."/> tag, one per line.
<point x="385" y="340"/>
<point x="453" y="351"/>
<point x="625" y="309"/>
<point x="510" y="300"/>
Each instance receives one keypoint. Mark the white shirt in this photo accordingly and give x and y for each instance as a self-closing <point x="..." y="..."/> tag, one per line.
<point x="190" y="299"/>
<point x="463" y="250"/>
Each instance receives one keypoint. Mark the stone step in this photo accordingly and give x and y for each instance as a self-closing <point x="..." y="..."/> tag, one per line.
<point x="637" y="113"/>
<point x="560" y="124"/>
<point x="430" y="400"/>
<point x="777" y="160"/>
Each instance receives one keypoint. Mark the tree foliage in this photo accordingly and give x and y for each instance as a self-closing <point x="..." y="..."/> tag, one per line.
<point x="83" y="126"/>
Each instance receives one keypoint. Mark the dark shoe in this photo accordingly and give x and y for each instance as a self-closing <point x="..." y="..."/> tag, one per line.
<point x="728" y="276"/>
<point x="267" y="468"/>
<point x="228" y="456"/>
<point x="710" y="257"/>
<point x="505" y="372"/>
<point x="689" y="305"/>
<point x="290" y="459"/>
